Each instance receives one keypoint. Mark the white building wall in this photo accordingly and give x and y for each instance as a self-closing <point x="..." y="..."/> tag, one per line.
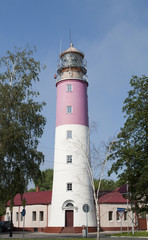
<point x="75" y="173"/>
<point x="29" y="222"/>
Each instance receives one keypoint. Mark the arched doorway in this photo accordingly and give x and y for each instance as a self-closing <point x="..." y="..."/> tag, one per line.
<point x="68" y="206"/>
<point x="69" y="215"/>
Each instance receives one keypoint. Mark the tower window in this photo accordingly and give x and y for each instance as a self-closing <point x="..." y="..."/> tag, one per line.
<point x="69" y="134"/>
<point x="69" y="87"/>
<point x="69" y="109"/>
<point x="69" y="186"/>
<point x="69" y="205"/>
<point x="69" y="158"/>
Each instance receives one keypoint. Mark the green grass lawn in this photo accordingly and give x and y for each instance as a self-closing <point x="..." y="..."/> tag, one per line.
<point x="136" y="234"/>
<point x="49" y="238"/>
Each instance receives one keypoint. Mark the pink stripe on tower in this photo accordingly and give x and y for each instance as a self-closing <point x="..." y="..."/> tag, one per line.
<point x="77" y="99"/>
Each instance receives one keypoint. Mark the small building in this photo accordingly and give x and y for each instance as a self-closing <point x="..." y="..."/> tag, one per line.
<point x="110" y="218"/>
<point x="37" y="208"/>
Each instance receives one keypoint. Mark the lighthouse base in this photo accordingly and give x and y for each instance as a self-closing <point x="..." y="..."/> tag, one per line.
<point x="68" y="229"/>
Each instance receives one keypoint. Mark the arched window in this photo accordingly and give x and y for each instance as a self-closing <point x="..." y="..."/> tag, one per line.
<point x="69" y="205"/>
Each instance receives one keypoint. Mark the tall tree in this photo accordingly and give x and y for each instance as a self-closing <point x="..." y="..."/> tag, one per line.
<point x="21" y="122"/>
<point x="46" y="180"/>
<point x="96" y="188"/>
<point x="130" y="151"/>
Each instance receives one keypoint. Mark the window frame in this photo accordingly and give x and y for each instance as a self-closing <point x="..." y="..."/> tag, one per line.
<point x="118" y="219"/>
<point x="110" y="212"/>
<point x="34" y="216"/>
<point x="69" y="109"/>
<point x="68" y="159"/>
<point x="41" y="216"/>
<point x="125" y="216"/>
<point x="69" y="88"/>
<point x="69" y="134"/>
<point x="69" y="186"/>
<point x="17" y="216"/>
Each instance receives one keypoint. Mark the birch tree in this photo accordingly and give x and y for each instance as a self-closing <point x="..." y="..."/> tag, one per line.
<point x="94" y="162"/>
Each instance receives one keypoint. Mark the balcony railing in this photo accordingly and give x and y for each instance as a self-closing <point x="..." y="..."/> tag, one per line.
<point x="59" y="78"/>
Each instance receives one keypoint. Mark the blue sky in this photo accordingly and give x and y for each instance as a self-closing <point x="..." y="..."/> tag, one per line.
<point x="113" y="34"/>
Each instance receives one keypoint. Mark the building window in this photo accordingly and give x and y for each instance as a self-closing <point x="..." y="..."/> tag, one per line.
<point x="33" y="216"/>
<point x="69" y="205"/>
<point x="41" y="216"/>
<point x="125" y="216"/>
<point x="69" y="158"/>
<point x="17" y="216"/>
<point x="69" y="87"/>
<point x="117" y="216"/>
<point x="69" y="134"/>
<point x="21" y="217"/>
<point x="69" y="109"/>
<point x="69" y="186"/>
<point x="110" y="216"/>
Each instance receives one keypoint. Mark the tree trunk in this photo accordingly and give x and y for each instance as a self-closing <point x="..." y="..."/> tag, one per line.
<point x="98" y="221"/>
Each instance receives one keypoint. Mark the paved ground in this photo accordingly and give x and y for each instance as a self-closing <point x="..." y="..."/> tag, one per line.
<point x="37" y="235"/>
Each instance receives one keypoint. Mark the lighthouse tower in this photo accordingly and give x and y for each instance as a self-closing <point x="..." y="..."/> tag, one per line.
<point x="71" y="183"/>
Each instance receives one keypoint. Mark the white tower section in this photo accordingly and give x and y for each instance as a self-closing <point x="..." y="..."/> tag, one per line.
<point x="71" y="183"/>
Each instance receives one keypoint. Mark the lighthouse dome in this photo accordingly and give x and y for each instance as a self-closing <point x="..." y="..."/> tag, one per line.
<point x="72" y="59"/>
<point x="71" y="49"/>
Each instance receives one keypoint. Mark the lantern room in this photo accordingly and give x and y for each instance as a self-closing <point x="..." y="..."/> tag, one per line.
<point x="73" y="60"/>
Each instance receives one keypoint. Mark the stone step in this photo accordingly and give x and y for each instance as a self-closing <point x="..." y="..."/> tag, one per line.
<point x="68" y="230"/>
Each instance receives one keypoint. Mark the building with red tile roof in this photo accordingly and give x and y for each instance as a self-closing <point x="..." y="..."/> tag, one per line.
<point x="37" y="208"/>
<point x="111" y="204"/>
<point x="38" y="205"/>
<point x="112" y="198"/>
<point x="33" y="198"/>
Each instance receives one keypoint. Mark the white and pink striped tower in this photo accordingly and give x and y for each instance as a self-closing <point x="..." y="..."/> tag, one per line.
<point x="71" y="183"/>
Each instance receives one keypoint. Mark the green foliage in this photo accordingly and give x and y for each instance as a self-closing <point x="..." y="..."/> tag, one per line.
<point x="128" y="234"/>
<point x="106" y="185"/>
<point x="2" y="208"/>
<point x="130" y="151"/>
<point x="32" y="190"/>
<point x="45" y="181"/>
<point x="21" y="122"/>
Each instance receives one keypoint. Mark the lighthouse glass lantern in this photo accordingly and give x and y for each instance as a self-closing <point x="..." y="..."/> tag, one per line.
<point x="71" y="183"/>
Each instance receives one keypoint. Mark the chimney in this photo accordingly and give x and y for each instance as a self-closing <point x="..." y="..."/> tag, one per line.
<point x="37" y="189"/>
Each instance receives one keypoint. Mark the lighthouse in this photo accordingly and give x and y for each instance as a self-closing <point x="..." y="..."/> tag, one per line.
<point x="71" y="184"/>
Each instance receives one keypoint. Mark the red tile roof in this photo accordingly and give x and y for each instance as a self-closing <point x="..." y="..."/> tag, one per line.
<point x="33" y="198"/>
<point x="44" y="197"/>
<point x="113" y="197"/>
